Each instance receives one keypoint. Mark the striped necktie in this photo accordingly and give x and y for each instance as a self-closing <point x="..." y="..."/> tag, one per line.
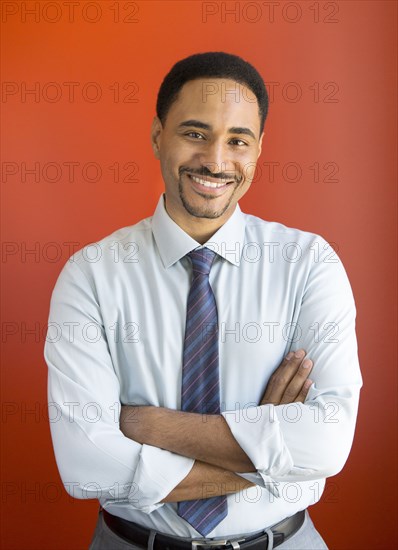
<point x="200" y="377"/>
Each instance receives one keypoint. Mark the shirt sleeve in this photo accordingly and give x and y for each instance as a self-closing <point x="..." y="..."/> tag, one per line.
<point x="94" y="457"/>
<point x="300" y="442"/>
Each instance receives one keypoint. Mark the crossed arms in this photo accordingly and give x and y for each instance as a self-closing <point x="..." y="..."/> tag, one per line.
<point x="167" y="455"/>
<point x="207" y="438"/>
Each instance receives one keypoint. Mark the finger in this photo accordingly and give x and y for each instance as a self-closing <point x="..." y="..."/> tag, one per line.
<point x="302" y="396"/>
<point x="282" y="377"/>
<point x="297" y="382"/>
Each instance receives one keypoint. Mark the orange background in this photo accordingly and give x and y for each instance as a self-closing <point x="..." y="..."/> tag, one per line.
<point x="340" y="57"/>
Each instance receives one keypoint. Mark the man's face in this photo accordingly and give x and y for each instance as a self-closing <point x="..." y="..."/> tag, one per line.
<point x="208" y="149"/>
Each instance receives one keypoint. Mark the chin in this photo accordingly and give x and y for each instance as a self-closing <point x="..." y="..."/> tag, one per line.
<point x="209" y="211"/>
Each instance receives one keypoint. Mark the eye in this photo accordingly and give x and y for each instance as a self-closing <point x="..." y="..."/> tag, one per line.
<point x="238" y="142"/>
<point x="194" y="135"/>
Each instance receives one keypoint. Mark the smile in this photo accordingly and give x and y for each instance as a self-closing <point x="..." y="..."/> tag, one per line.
<point x="209" y="184"/>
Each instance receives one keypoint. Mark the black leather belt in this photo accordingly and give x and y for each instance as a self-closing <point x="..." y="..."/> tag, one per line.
<point x="134" y="533"/>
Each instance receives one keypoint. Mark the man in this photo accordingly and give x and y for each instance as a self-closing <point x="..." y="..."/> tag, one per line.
<point x="173" y="411"/>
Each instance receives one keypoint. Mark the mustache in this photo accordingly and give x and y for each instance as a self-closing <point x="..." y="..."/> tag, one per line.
<point x="204" y="171"/>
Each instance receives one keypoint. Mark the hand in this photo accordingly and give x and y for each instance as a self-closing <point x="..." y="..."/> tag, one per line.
<point x="290" y="382"/>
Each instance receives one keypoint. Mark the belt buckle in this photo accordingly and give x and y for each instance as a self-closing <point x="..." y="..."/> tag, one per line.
<point x="197" y="544"/>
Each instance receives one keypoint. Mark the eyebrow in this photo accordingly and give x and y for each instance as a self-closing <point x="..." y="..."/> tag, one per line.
<point x="204" y="126"/>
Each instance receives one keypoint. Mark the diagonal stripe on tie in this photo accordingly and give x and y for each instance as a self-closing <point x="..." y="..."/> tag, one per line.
<point x="200" y="390"/>
<point x="197" y="396"/>
<point x="197" y="352"/>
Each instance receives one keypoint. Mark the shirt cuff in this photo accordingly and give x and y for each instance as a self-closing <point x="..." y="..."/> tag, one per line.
<point x="262" y="480"/>
<point x="157" y="474"/>
<point x="258" y="432"/>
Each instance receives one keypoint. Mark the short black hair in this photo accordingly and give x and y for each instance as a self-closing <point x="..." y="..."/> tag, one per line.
<point x="211" y="65"/>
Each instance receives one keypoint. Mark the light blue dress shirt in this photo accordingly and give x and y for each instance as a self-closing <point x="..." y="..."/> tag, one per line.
<point x="115" y="336"/>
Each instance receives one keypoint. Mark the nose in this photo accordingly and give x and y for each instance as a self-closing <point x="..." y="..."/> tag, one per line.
<point x="216" y="157"/>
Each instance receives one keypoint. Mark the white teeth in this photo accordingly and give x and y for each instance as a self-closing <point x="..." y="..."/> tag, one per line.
<point x="208" y="183"/>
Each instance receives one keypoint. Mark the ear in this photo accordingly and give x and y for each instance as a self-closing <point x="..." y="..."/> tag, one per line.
<point x="156" y="133"/>
<point x="260" y="144"/>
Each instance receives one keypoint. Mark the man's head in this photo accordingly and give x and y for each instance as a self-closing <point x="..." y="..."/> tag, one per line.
<point x="211" y="110"/>
<point x="209" y="66"/>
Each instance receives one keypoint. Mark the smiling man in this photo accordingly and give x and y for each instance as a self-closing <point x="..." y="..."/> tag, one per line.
<point x="207" y="159"/>
<point x="187" y="355"/>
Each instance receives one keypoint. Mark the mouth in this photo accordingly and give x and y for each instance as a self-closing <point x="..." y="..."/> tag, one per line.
<point x="211" y="185"/>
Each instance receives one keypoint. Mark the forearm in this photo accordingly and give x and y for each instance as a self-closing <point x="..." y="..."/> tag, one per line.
<point x="205" y="481"/>
<point x="203" y="437"/>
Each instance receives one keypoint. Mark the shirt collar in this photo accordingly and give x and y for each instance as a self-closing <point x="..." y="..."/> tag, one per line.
<point x="173" y="243"/>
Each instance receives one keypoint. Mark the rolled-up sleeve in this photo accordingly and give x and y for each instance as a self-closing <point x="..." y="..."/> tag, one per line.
<point x="94" y="457"/>
<point x="299" y="442"/>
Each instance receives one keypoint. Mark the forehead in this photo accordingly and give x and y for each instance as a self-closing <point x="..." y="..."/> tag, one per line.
<point x="216" y="101"/>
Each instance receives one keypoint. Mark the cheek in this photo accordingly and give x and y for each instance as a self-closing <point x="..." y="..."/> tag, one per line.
<point x="250" y="170"/>
<point x="177" y="156"/>
<point x="169" y="162"/>
<point x="247" y="166"/>
<point x="186" y="155"/>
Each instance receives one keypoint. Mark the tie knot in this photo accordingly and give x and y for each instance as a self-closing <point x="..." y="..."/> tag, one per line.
<point x="202" y="260"/>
